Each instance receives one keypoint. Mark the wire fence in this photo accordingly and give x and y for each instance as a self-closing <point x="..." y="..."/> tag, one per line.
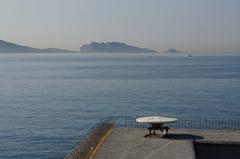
<point x="186" y="123"/>
<point x="94" y="136"/>
<point x="89" y="142"/>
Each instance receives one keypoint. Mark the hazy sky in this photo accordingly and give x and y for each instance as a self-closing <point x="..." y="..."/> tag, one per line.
<point x="189" y="25"/>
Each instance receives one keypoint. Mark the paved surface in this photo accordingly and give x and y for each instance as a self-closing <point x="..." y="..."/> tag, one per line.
<point x="130" y="143"/>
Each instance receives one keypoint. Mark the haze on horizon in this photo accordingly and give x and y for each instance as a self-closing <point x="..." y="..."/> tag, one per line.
<point x="189" y="25"/>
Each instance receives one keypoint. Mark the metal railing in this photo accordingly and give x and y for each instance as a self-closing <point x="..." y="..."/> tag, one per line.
<point x="186" y="123"/>
<point x="93" y="137"/>
<point x="89" y="142"/>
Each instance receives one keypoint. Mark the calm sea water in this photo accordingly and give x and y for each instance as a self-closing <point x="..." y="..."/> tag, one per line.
<point x="49" y="101"/>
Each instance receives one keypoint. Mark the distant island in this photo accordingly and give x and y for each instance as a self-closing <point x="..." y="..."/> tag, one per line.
<point x="93" y="47"/>
<point x="172" y="50"/>
<point x="8" y="47"/>
<point x="112" y="47"/>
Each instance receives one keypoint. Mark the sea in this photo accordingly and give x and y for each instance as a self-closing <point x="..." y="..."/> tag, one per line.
<point x="48" y="101"/>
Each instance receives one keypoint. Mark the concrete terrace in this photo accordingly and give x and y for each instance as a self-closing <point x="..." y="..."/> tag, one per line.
<point x="130" y="143"/>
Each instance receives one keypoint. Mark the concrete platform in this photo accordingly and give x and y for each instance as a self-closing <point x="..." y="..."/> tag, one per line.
<point x="130" y="143"/>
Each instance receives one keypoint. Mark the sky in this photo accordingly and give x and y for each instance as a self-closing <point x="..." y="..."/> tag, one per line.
<point x="188" y="25"/>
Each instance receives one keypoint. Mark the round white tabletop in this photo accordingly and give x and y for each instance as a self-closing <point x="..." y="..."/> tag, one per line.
<point x="156" y="120"/>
